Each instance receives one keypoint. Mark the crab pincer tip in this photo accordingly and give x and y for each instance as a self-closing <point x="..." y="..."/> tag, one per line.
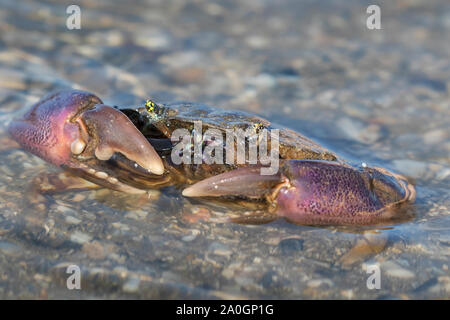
<point x="155" y="166"/>
<point x="114" y="132"/>
<point x="190" y="192"/>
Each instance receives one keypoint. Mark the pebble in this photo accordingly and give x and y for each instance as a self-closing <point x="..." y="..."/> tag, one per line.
<point x="96" y="250"/>
<point x="152" y="39"/>
<point x="445" y="283"/>
<point x="180" y="60"/>
<point x="188" y="75"/>
<point x="214" y="9"/>
<point x="291" y="246"/>
<point x="319" y="282"/>
<point x="132" y="285"/>
<point x="412" y="168"/>
<point x="262" y="81"/>
<point x="72" y="220"/>
<point x="408" y="139"/>
<point x="136" y="215"/>
<point x="230" y="270"/>
<point x="121" y="226"/>
<point x="78" y="197"/>
<point x="10" y="249"/>
<point x="192" y="236"/>
<point x="220" y="249"/>
<point x="243" y="280"/>
<point x="80" y="237"/>
<point x="436" y="136"/>
<point x="444" y="239"/>
<point x="348" y="294"/>
<point x="108" y="38"/>
<point x="12" y="79"/>
<point x="116" y="257"/>
<point x="394" y="270"/>
<point x="358" y="130"/>
<point x="443" y="174"/>
<point x="66" y="210"/>
<point x="256" y="42"/>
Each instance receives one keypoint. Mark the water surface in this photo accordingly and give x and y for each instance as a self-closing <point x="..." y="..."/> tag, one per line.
<point x="375" y="96"/>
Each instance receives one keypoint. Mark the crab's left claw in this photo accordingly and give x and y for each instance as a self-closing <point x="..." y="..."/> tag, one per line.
<point x="74" y="130"/>
<point x="316" y="192"/>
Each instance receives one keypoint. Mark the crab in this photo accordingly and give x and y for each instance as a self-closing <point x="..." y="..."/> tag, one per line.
<point x="130" y="150"/>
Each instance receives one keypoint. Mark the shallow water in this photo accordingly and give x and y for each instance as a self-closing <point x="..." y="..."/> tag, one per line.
<point x="377" y="96"/>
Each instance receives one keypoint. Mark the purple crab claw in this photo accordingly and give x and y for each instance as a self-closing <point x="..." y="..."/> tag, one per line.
<point x="74" y="130"/>
<point x="315" y="192"/>
<point x="116" y="133"/>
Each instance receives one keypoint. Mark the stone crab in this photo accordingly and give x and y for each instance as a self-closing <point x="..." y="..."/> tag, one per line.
<point x="129" y="150"/>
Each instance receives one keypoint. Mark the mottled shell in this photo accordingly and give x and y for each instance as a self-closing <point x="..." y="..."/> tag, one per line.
<point x="176" y="115"/>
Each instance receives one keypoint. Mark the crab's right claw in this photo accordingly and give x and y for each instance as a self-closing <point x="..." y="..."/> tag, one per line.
<point x="73" y="129"/>
<point x="114" y="132"/>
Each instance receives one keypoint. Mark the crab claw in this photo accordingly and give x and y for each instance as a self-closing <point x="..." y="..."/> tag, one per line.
<point x="47" y="131"/>
<point x="116" y="133"/>
<point x="316" y="192"/>
<point x="73" y="129"/>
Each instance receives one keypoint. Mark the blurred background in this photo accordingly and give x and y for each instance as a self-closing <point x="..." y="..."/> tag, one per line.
<point x="378" y="96"/>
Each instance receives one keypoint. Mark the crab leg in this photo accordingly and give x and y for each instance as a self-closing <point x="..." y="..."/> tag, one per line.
<point x="245" y="181"/>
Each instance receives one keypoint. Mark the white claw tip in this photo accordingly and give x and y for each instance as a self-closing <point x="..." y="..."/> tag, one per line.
<point x="158" y="169"/>
<point x="77" y="146"/>
<point x="188" y="192"/>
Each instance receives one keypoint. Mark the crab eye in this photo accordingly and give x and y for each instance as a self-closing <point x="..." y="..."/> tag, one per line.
<point x="77" y="146"/>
